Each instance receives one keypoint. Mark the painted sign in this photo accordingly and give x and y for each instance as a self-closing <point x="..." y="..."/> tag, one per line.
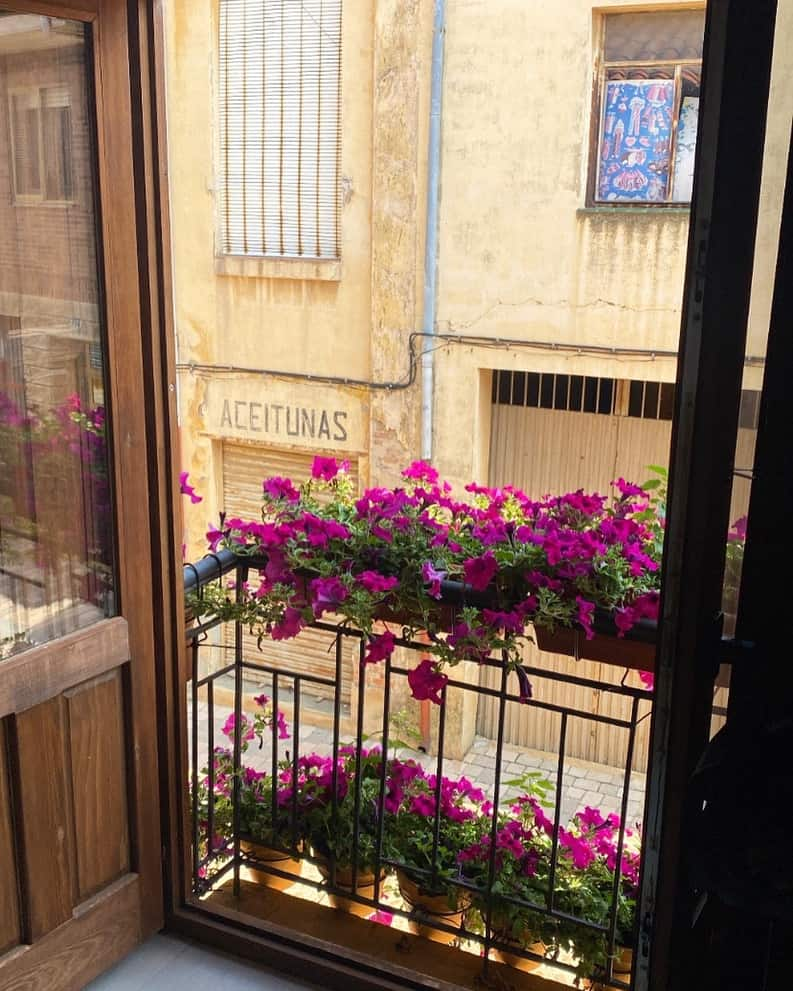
<point x="301" y="415"/>
<point x="633" y="159"/>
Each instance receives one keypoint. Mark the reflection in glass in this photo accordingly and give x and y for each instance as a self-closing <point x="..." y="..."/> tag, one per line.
<point x="55" y="520"/>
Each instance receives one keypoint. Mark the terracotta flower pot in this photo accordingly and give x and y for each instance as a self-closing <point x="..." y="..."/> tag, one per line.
<point x="430" y="908"/>
<point x="622" y="967"/>
<point x="275" y="858"/>
<point x="503" y="934"/>
<point x="364" y="887"/>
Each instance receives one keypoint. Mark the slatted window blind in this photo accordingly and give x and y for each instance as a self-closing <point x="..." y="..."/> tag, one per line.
<point x="280" y="127"/>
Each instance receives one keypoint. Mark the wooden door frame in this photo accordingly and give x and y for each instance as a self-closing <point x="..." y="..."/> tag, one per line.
<point x="141" y="387"/>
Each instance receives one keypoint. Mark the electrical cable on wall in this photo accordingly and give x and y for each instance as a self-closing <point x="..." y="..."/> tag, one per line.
<point x="498" y="343"/>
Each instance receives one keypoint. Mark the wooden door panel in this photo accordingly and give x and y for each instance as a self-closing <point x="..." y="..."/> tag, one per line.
<point x="80" y="832"/>
<point x="44" y="815"/>
<point x="73" y="836"/>
<point x="44" y="672"/>
<point x="9" y="902"/>
<point x="99" y="781"/>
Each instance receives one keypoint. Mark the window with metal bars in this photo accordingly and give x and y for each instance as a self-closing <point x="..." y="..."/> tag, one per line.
<point x="584" y="394"/>
<point x="280" y="127"/>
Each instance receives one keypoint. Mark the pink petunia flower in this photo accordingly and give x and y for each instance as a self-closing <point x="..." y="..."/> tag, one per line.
<point x="280" y="488"/>
<point x="325" y="468"/>
<point x="327" y="594"/>
<point x="380" y="647"/>
<point x="433" y="577"/>
<point x="421" y="471"/>
<point x="289" y="625"/>
<point x="186" y="489"/>
<point x="479" y="571"/>
<point x="374" y="582"/>
<point x="427" y="683"/>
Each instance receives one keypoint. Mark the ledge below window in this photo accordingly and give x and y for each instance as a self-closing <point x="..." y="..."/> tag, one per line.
<point x="257" y="267"/>
<point x="615" y="210"/>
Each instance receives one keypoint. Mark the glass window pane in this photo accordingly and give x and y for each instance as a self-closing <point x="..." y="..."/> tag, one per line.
<point x="56" y="571"/>
<point x="647" y="36"/>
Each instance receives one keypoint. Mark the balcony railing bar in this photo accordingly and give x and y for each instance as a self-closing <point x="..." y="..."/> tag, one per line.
<point x="271" y="669"/>
<point x="356" y="831"/>
<point x="612" y="942"/>
<point x="378" y="860"/>
<point x="211" y="766"/>
<point x="557" y="818"/>
<point x="267" y="867"/>
<point x="492" y="938"/>
<point x="238" y="687"/>
<point x="436" y="825"/>
<point x="296" y="721"/>
<point x="491" y="867"/>
<point x="194" y="764"/>
<point x="336" y="730"/>
<point x="531" y="703"/>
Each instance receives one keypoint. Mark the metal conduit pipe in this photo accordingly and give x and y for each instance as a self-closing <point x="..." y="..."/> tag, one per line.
<point x="431" y="244"/>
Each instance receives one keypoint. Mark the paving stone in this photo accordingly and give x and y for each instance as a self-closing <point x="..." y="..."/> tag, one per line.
<point x="604" y="776"/>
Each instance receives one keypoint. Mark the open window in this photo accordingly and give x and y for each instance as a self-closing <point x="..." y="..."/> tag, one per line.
<point x="647" y="107"/>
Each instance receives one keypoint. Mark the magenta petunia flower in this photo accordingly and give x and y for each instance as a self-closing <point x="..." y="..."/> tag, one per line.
<point x="380" y="647"/>
<point x="186" y="489"/>
<point x="375" y="583"/>
<point x="326" y="594"/>
<point x="421" y="471"/>
<point x="246" y="727"/>
<point x="433" y="577"/>
<point x="289" y="625"/>
<point x="479" y="571"/>
<point x="280" y="488"/>
<point x="585" y="614"/>
<point x="627" y="488"/>
<point x="647" y="678"/>
<point x="325" y="468"/>
<point x="427" y="683"/>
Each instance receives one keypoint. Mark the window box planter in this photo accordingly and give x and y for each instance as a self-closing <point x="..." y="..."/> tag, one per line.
<point x="635" y="650"/>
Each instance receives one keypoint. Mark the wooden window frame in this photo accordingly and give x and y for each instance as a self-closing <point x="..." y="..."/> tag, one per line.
<point x="600" y="70"/>
<point x="40" y="198"/>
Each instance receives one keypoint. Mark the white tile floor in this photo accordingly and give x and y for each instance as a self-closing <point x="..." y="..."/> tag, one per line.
<point x="175" y="964"/>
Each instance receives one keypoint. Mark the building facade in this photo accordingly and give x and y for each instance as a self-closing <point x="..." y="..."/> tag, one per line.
<point x="300" y="177"/>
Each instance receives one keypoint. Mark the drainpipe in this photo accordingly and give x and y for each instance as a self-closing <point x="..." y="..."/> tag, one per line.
<point x="431" y="247"/>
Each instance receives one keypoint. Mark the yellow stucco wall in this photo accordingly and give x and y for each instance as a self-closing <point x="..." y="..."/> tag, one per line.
<point x="521" y="256"/>
<point x="347" y="320"/>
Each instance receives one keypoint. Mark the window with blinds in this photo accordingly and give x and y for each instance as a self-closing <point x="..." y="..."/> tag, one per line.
<point x="41" y="142"/>
<point x="280" y="127"/>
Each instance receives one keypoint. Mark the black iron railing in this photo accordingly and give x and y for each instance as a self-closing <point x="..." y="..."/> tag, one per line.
<point x="220" y="850"/>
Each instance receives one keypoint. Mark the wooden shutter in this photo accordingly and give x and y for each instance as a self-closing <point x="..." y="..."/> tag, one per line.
<point x="280" y="132"/>
<point x="244" y="467"/>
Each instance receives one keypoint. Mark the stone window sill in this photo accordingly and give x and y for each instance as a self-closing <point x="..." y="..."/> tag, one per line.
<point x="258" y="267"/>
<point x="654" y="210"/>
